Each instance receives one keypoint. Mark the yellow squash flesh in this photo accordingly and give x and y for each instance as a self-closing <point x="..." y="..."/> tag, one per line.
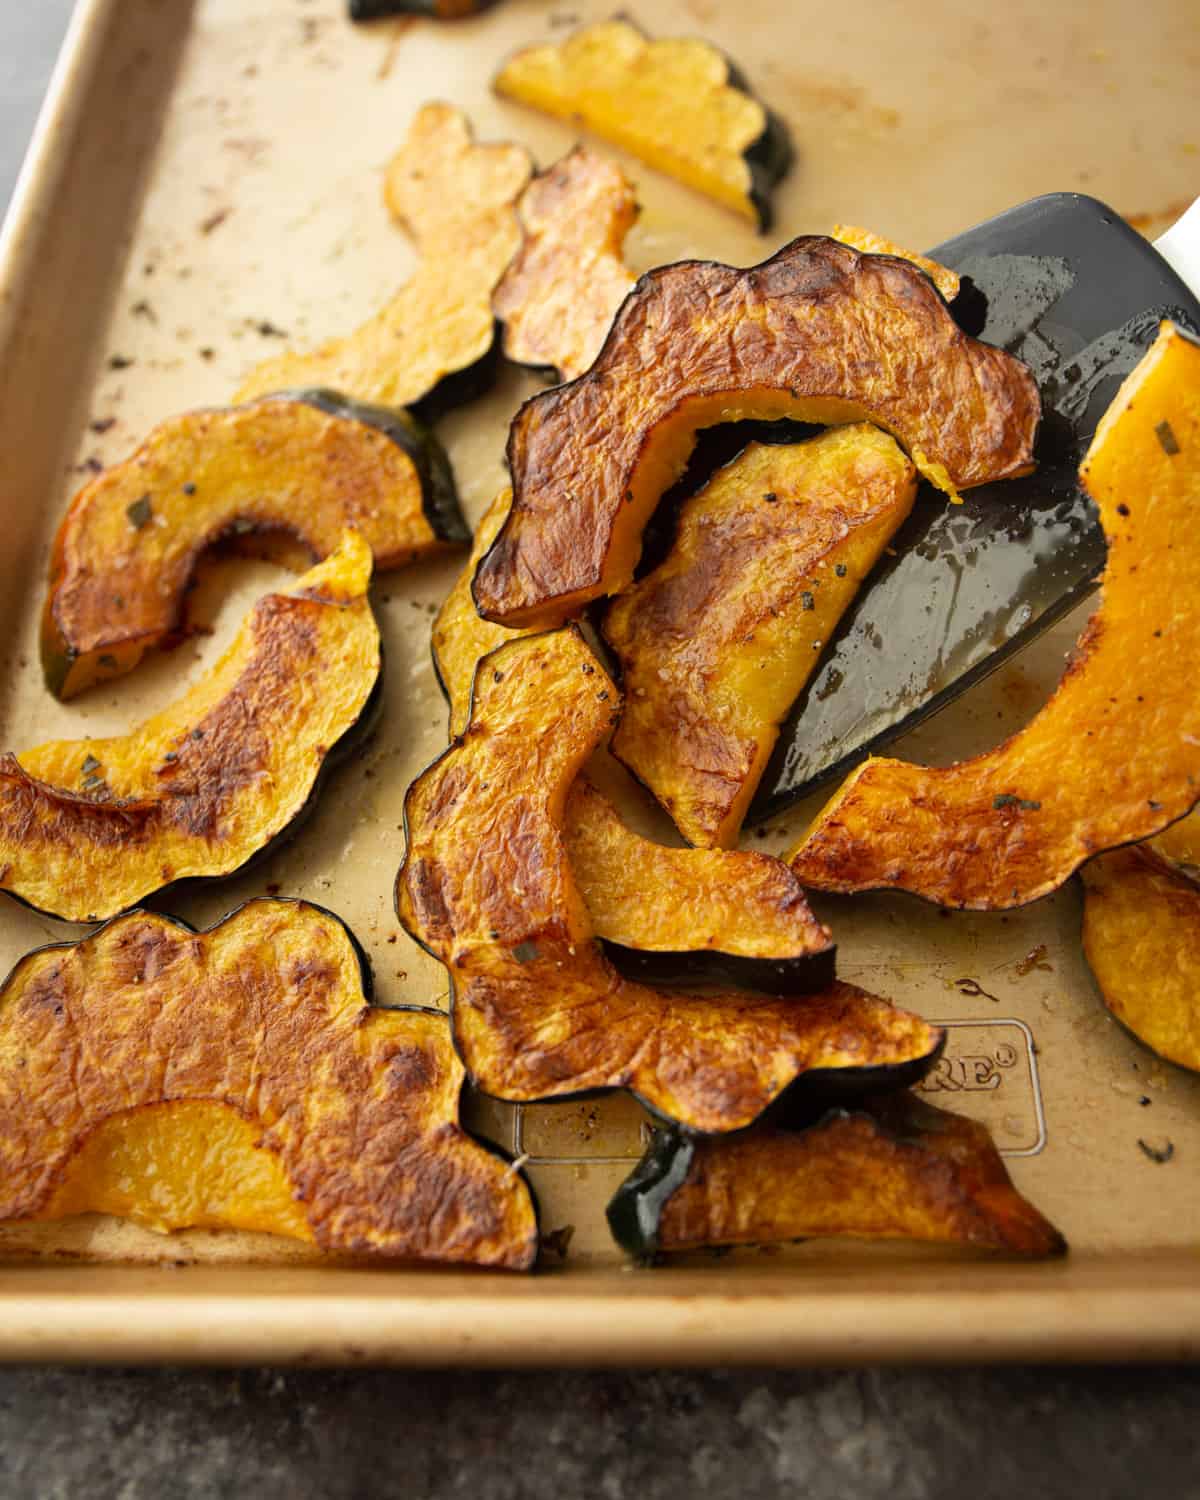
<point x="1114" y="756"/>
<point x="1141" y="937"/>
<point x="672" y="103"/>
<point x="238" y="1079"/>
<point x="90" y="827"/>
<point x="717" y="642"/>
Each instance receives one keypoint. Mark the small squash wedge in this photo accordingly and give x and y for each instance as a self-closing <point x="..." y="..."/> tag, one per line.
<point x="90" y="827"/>
<point x="735" y="917"/>
<point x="308" y="464"/>
<point x="819" y="333"/>
<point x="892" y="1168"/>
<point x="437" y="10"/>
<point x="738" y="918"/>
<point x="432" y="345"/>
<point x="717" y="642"/>
<point x="678" y="104"/>
<point x="486" y="886"/>
<point x="559" y="295"/>
<point x="1115" y="755"/>
<point x="870" y="243"/>
<point x="1141" y="938"/>
<point x="238" y="1078"/>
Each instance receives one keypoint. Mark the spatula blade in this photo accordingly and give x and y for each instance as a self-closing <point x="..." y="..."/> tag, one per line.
<point x="1064" y="283"/>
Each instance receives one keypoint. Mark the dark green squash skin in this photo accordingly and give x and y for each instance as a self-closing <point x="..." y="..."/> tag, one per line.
<point x="350" y="742"/>
<point x="372" y="10"/>
<point x="461" y="387"/>
<point x="366" y="974"/>
<point x="770" y="158"/>
<point x="439" y="492"/>
<point x="803" y="974"/>
<point x="635" y="1210"/>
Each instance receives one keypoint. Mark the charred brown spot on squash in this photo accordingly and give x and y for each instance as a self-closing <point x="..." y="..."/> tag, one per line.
<point x="717" y="642"/>
<point x="560" y="292"/>
<point x="538" y="1011"/>
<point x="1141" y="937"/>
<point x="677" y="103"/>
<point x="1011" y="825"/>
<point x="431" y="343"/>
<point x="893" y="1168"/>
<point x="236" y="1078"/>
<point x="202" y="787"/>
<point x="870" y="243"/>
<point x="819" y="333"/>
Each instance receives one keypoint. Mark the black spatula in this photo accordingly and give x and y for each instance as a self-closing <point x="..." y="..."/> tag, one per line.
<point x="1067" y="285"/>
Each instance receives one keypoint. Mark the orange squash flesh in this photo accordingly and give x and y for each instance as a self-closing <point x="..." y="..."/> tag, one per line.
<point x="870" y="243"/>
<point x="1141" y="937"/>
<point x="819" y="333"/>
<point x="458" y="200"/>
<point x="487" y="887"/>
<point x="238" y="1078"/>
<point x="90" y="827"/>
<point x="894" y="1168"/>
<point x="1178" y="848"/>
<point x="1115" y="755"/>
<point x="716" y="643"/>
<point x="308" y="466"/>
<point x="559" y="295"/>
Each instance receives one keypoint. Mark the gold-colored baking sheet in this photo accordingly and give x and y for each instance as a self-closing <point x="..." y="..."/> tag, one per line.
<point x="209" y="173"/>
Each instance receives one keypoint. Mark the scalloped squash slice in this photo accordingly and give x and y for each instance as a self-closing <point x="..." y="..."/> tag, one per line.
<point x="306" y="464"/>
<point x="487" y="887"/>
<point x="432" y="344"/>
<point x="1115" y="755"/>
<point x="238" y="1078"/>
<point x="819" y="333"/>
<point x="677" y="104"/>
<point x="893" y="1168"/>
<point x="717" y="642"/>
<point x="1141" y="938"/>
<point x="90" y="827"/>
<point x="559" y="295"/>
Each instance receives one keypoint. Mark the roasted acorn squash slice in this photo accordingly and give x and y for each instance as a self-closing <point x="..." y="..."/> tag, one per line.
<point x="238" y="1078"/>
<point x="559" y="295"/>
<point x="432" y="344"/>
<point x="678" y="104"/>
<point x="673" y="915"/>
<point x="717" y="642"/>
<point x="89" y="827"/>
<point x="1141" y="937"/>
<point x="894" y="1168"/>
<point x="307" y="464"/>
<point x="487" y="887"/>
<point x="819" y="333"/>
<point x="1012" y="825"/>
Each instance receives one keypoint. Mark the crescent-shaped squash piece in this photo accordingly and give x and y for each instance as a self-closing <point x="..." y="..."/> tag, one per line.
<point x="432" y="344"/>
<point x="238" y="1078"/>
<point x="558" y="297"/>
<point x="893" y="1168"/>
<point x="717" y="642"/>
<point x="487" y="887"/>
<point x="739" y="917"/>
<point x="678" y="104"/>
<point x="818" y="333"/>
<point x="91" y="827"/>
<point x="1141" y="937"/>
<point x="307" y="464"/>
<point x="1115" y="755"/>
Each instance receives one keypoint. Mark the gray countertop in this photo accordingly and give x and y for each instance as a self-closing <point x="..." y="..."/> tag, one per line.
<point x="823" y="1435"/>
